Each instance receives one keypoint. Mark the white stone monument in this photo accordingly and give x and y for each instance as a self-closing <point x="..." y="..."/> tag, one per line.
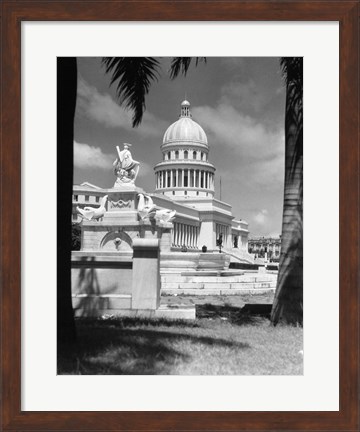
<point x="126" y="168"/>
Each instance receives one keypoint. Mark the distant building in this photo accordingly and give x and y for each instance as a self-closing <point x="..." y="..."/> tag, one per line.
<point x="185" y="182"/>
<point x="261" y="245"/>
<point x="85" y="194"/>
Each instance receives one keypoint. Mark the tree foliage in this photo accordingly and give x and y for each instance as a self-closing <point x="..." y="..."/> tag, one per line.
<point x="75" y="237"/>
<point x="133" y="77"/>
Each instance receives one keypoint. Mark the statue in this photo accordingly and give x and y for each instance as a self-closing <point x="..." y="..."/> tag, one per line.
<point x="148" y="210"/>
<point x="90" y="213"/>
<point x="146" y="207"/>
<point x="165" y="215"/>
<point x="126" y="168"/>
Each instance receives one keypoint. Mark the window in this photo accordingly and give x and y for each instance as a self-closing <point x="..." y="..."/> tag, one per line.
<point x="76" y="197"/>
<point x="87" y="198"/>
<point x="177" y="154"/>
<point x="168" y="155"/>
<point x="185" y="154"/>
<point x="194" y="155"/>
<point x="201" y="155"/>
<point x="97" y="199"/>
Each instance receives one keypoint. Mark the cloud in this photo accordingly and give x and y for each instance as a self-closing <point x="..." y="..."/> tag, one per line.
<point x="102" y="108"/>
<point x="261" y="217"/>
<point x="239" y="131"/>
<point x="245" y="95"/>
<point x="86" y="156"/>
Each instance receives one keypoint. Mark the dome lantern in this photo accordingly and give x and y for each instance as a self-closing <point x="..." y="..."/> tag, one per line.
<point x="185" y="109"/>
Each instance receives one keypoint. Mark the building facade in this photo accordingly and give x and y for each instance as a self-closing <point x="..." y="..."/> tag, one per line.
<point x="260" y="246"/>
<point x="185" y="182"/>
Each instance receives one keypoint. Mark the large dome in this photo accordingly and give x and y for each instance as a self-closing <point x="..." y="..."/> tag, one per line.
<point x="185" y="129"/>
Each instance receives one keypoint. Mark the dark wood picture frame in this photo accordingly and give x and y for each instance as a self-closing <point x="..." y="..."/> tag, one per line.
<point x="13" y="13"/>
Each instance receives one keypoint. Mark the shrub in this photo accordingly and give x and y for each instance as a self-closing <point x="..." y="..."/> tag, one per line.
<point x="75" y="237"/>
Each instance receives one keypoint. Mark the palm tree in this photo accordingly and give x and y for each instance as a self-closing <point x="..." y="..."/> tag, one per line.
<point x="66" y="102"/>
<point x="133" y="77"/>
<point x="288" y="302"/>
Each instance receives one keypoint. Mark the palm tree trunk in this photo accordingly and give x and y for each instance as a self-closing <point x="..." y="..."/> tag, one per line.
<point x="288" y="302"/>
<point x="66" y="102"/>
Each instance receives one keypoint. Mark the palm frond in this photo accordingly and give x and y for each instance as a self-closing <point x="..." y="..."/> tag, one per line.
<point x="133" y="76"/>
<point x="292" y="70"/>
<point x="180" y="65"/>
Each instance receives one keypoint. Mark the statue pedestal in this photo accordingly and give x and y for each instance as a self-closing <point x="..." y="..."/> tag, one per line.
<point x="146" y="274"/>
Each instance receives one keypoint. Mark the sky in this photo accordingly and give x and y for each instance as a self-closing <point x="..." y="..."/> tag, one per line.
<point x="240" y="104"/>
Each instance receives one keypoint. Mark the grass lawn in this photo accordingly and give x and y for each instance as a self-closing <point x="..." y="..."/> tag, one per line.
<point x="225" y="339"/>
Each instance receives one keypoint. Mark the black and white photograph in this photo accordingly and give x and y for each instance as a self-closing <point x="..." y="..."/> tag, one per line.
<point x="180" y="216"/>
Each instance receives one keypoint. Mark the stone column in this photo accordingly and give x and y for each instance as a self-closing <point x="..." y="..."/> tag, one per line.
<point x="146" y="274"/>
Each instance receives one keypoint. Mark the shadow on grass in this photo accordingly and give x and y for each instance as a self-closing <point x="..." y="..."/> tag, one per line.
<point x="127" y="322"/>
<point x="250" y="314"/>
<point x="112" y="347"/>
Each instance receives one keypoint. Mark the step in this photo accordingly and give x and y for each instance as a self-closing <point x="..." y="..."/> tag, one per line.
<point x="229" y="279"/>
<point x="228" y="285"/>
<point x="207" y="291"/>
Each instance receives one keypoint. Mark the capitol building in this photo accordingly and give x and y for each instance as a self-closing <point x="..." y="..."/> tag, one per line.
<point x="185" y="184"/>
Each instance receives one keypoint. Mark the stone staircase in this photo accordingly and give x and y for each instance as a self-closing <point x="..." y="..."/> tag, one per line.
<point x="239" y="255"/>
<point x="217" y="283"/>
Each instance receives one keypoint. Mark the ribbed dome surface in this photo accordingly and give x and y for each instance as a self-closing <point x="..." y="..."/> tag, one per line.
<point x="185" y="129"/>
